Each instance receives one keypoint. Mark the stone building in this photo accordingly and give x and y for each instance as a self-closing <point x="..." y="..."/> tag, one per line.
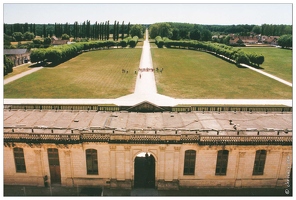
<point x="18" y="56"/>
<point x="161" y="149"/>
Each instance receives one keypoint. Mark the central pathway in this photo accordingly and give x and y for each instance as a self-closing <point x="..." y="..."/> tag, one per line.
<point x="145" y="80"/>
<point x="145" y="89"/>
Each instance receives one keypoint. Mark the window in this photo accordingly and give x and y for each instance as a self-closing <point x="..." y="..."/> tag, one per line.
<point x="19" y="160"/>
<point x="259" y="162"/>
<point x="222" y="159"/>
<point x="91" y="161"/>
<point x="189" y="162"/>
<point x="53" y="157"/>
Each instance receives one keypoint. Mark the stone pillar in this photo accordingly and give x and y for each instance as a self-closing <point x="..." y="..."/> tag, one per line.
<point x="113" y="166"/>
<point x="161" y="163"/>
<point x="120" y="165"/>
<point x="128" y="162"/>
<point x="68" y="175"/>
<point x="176" y="163"/>
<point x="169" y="166"/>
<point x="239" y="169"/>
<point x="39" y="168"/>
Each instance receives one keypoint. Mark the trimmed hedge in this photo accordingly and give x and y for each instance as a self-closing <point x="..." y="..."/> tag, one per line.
<point x="8" y="65"/>
<point x="216" y="48"/>
<point x="133" y="42"/>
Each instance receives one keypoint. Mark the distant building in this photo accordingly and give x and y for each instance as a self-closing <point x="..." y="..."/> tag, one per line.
<point x="272" y="40"/>
<point x="17" y="56"/>
<point x="57" y="41"/>
<point x="244" y="39"/>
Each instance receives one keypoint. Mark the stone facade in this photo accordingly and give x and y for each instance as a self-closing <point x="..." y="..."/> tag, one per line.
<point x="116" y="165"/>
<point x="17" y="56"/>
<point x="59" y="144"/>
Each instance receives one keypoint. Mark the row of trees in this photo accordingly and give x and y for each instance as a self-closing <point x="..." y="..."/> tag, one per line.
<point x="170" y="30"/>
<point x="177" y="31"/>
<point x="63" y="53"/>
<point x="218" y="49"/>
<point x="8" y="65"/>
<point x="83" y="30"/>
<point x="285" y="41"/>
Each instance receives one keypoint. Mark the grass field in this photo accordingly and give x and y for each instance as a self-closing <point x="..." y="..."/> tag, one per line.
<point x="194" y="74"/>
<point x="276" y="61"/>
<point x="95" y="74"/>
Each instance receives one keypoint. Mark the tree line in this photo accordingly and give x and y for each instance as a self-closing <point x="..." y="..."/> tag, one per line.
<point x="183" y="31"/>
<point x="65" y="52"/>
<point x="172" y="30"/>
<point x="221" y="50"/>
<point x="76" y="30"/>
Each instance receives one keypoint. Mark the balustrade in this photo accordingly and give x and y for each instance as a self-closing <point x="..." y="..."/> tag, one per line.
<point x="202" y="137"/>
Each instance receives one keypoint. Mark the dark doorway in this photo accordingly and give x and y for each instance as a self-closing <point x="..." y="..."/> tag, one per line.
<point x="54" y="166"/>
<point x="144" y="171"/>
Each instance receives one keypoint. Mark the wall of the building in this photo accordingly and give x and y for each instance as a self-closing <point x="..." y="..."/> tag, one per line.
<point x="19" y="59"/>
<point x="116" y="165"/>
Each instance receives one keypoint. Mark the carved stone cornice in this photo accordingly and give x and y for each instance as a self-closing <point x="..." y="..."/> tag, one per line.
<point x="177" y="148"/>
<point x="162" y="148"/>
<point x="112" y="147"/>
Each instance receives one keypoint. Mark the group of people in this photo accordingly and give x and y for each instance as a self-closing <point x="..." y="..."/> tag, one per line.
<point x="146" y="69"/>
<point x="160" y="70"/>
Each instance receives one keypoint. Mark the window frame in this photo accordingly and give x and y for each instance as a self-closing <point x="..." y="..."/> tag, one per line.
<point x="91" y="158"/>
<point x="189" y="162"/>
<point x="259" y="162"/>
<point x="222" y="162"/>
<point x="19" y="160"/>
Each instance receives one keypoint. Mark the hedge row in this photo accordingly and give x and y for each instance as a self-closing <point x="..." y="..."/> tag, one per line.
<point x="58" y="54"/>
<point x="159" y="41"/>
<point x="8" y="65"/>
<point x="133" y="42"/>
<point x="223" y="50"/>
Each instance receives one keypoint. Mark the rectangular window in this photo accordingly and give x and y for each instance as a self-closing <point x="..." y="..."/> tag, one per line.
<point x="259" y="162"/>
<point x="222" y="160"/>
<point x="19" y="160"/>
<point x="53" y="157"/>
<point x="92" y="161"/>
<point x="189" y="162"/>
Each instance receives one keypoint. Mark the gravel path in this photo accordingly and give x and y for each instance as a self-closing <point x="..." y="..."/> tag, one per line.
<point x="13" y="78"/>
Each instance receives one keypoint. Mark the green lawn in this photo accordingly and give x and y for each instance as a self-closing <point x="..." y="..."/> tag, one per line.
<point x="94" y="74"/>
<point x="277" y="61"/>
<point x="194" y="74"/>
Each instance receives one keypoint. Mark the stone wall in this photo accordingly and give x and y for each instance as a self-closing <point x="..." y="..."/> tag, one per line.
<point x="116" y="165"/>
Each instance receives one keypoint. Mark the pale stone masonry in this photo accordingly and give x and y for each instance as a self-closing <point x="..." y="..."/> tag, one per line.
<point x="118" y="137"/>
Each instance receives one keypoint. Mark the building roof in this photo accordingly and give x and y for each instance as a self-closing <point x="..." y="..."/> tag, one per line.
<point x="204" y="128"/>
<point x="59" y="42"/>
<point x="161" y="121"/>
<point x="14" y="51"/>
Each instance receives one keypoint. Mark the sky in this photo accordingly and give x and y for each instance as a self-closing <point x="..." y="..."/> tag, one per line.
<point x="194" y="12"/>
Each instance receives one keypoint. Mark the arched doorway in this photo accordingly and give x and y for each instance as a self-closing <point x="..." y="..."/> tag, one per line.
<point x="144" y="167"/>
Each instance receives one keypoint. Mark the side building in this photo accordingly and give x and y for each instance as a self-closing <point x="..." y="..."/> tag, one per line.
<point x="163" y="150"/>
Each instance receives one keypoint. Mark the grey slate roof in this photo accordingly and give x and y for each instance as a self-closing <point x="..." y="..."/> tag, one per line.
<point x="14" y="51"/>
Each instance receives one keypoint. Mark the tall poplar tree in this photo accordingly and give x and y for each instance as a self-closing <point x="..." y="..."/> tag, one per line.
<point x="128" y="29"/>
<point x="117" y="30"/>
<point x="122" y="30"/>
<point x="114" y="30"/>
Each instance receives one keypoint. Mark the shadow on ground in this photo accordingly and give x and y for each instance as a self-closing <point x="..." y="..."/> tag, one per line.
<point x="16" y="190"/>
